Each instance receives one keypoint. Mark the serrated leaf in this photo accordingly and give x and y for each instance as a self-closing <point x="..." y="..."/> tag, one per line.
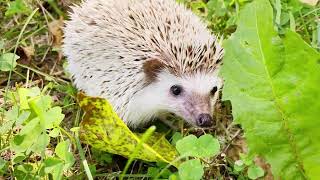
<point x="104" y="130"/>
<point x="273" y="85"/>
<point x="255" y="172"/>
<point x="8" y="61"/>
<point x="191" y="170"/>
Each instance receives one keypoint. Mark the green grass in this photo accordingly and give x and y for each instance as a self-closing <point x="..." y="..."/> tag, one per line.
<point x="32" y="30"/>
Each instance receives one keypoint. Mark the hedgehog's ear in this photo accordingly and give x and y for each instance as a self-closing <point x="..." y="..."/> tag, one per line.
<point x="151" y="69"/>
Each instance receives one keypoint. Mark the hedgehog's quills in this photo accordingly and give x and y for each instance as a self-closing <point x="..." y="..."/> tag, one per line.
<point x="147" y="57"/>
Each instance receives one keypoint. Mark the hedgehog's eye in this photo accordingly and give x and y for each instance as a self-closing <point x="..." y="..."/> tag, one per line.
<point x="214" y="90"/>
<point x="176" y="90"/>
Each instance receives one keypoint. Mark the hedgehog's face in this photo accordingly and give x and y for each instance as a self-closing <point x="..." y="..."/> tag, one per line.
<point x="191" y="97"/>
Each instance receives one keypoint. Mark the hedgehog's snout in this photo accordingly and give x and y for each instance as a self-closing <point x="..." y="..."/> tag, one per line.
<point x="205" y="120"/>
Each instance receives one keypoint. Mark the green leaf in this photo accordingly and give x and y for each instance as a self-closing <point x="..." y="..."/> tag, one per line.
<point x="255" y="172"/>
<point x="62" y="151"/>
<point x="54" y="166"/>
<point x="208" y="146"/>
<point x="27" y="136"/>
<point x="53" y="117"/>
<point x="17" y="6"/>
<point x="3" y="166"/>
<point x="176" y="137"/>
<point x="205" y="146"/>
<point x="8" y="61"/>
<point x="102" y="157"/>
<point x="2" y="163"/>
<point x="239" y="165"/>
<point x="153" y="171"/>
<point x="40" y="104"/>
<point x="104" y="130"/>
<point x="273" y="85"/>
<point x="188" y="146"/>
<point x="246" y="159"/>
<point x="30" y="127"/>
<point x="18" y="158"/>
<point x="54" y="132"/>
<point x="40" y="144"/>
<point x="191" y="170"/>
<point x="25" y="94"/>
<point x="24" y="171"/>
<point x="49" y="117"/>
<point x="2" y="44"/>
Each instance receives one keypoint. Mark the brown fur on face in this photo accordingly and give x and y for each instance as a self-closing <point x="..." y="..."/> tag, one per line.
<point x="151" y="68"/>
<point x="198" y="104"/>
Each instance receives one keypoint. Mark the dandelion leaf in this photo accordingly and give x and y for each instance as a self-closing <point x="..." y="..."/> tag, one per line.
<point x="273" y="84"/>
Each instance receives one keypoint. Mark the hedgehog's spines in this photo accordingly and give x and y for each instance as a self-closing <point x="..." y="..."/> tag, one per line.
<point x="119" y="36"/>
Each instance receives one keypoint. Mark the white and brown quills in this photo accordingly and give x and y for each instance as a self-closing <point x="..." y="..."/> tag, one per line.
<point x="147" y="57"/>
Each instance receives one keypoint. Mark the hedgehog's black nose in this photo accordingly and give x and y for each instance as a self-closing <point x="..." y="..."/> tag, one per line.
<point x="204" y="120"/>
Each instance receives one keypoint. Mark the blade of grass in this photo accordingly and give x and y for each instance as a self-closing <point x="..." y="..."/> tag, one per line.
<point x="49" y="77"/>
<point x="14" y="51"/>
<point x="82" y="157"/>
<point x="144" y="138"/>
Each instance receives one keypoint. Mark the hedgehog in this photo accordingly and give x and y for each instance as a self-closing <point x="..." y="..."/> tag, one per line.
<point x="148" y="58"/>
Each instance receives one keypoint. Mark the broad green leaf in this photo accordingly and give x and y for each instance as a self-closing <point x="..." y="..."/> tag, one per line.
<point x="8" y="61"/>
<point x="255" y="172"/>
<point x="273" y="85"/>
<point x="191" y="170"/>
<point x="205" y="146"/>
<point x="104" y="130"/>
